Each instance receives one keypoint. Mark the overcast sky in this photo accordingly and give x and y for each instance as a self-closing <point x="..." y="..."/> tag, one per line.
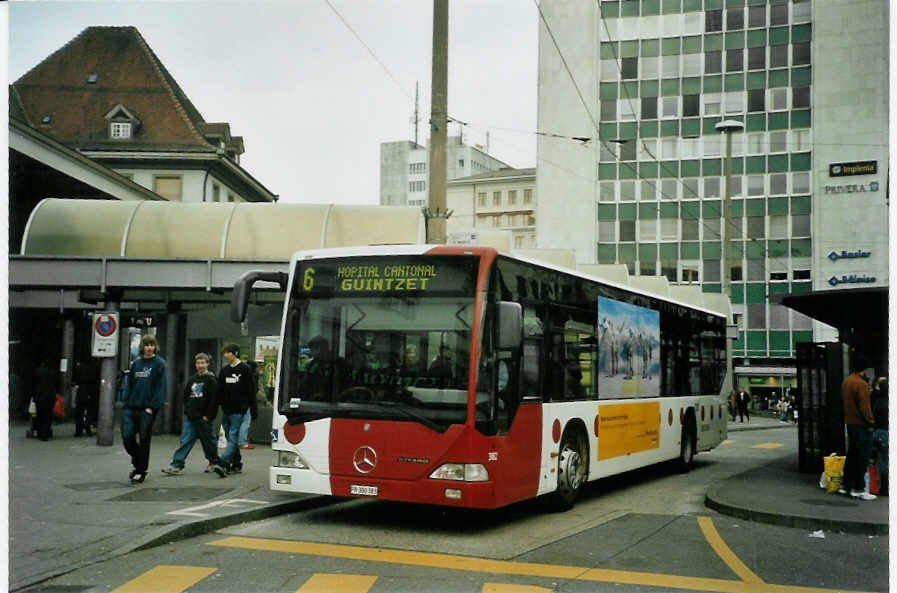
<point x="309" y="99"/>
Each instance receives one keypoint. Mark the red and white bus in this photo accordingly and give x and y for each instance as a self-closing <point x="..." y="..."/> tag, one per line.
<point x="463" y="376"/>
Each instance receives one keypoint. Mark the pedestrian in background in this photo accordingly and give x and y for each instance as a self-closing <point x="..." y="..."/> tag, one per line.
<point x="44" y="393"/>
<point x="732" y="405"/>
<point x="87" y="381"/>
<point x="860" y="424"/>
<point x="743" y="399"/>
<point x="236" y="395"/>
<point x="200" y="408"/>
<point x="143" y="395"/>
<point x="880" y="434"/>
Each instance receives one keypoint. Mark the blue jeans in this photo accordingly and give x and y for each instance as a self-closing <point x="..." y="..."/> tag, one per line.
<point x="859" y="450"/>
<point x="244" y="429"/>
<point x="231" y="424"/>
<point x="136" y="434"/>
<point x="190" y="432"/>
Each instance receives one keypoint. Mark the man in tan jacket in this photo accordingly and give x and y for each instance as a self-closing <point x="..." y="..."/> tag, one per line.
<point x="860" y="424"/>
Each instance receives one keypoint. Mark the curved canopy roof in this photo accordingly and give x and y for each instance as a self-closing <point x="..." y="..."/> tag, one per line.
<point x="251" y="231"/>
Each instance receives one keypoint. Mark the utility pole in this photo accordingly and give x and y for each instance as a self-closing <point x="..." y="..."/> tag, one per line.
<point x="728" y="127"/>
<point x="416" y="110"/>
<point x="436" y="212"/>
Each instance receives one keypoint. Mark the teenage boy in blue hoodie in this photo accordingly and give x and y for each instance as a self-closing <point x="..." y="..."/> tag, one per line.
<point x="144" y="395"/>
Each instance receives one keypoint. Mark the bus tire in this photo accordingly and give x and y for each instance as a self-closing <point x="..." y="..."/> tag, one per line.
<point x="688" y="443"/>
<point x="572" y="469"/>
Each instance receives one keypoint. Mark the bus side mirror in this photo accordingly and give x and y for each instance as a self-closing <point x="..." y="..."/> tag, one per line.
<point x="239" y="300"/>
<point x="510" y="326"/>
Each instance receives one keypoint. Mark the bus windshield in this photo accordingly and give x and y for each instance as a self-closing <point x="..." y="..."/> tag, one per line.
<point x="356" y="348"/>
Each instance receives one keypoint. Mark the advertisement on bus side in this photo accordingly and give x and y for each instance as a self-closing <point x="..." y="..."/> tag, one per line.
<point x="628" y="350"/>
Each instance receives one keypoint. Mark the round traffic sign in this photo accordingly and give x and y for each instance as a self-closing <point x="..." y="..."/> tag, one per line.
<point x="105" y="325"/>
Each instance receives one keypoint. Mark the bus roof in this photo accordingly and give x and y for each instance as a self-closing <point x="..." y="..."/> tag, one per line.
<point x="423" y="249"/>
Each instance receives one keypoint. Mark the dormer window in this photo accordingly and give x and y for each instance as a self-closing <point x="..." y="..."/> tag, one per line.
<point x="92" y="78"/>
<point x="120" y="130"/>
<point x="122" y="124"/>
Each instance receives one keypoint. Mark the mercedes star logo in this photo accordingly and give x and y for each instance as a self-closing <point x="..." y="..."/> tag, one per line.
<point x="364" y="459"/>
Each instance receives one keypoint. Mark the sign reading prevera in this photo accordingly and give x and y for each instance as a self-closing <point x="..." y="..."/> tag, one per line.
<point x="628" y="350"/>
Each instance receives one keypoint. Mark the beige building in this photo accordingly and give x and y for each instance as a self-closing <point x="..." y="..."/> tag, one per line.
<point x="502" y="200"/>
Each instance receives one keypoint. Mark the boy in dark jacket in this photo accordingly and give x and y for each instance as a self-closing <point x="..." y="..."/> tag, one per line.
<point x="144" y="394"/>
<point x="236" y="395"/>
<point x="200" y="407"/>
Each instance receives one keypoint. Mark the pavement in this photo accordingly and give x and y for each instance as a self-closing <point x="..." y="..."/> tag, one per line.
<point x="71" y="504"/>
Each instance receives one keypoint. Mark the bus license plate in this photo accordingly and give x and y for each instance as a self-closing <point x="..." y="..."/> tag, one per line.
<point x="363" y="490"/>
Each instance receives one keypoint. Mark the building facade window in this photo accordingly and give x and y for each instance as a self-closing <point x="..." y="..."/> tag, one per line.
<point x="169" y="187"/>
<point x="120" y="130"/>
<point x="512" y="197"/>
<point x="527" y="196"/>
<point x="496" y="198"/>
<point x="481" y="199"/>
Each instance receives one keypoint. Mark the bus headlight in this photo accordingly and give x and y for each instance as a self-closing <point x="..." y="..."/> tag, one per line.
<point x="289" y="459"/>
<point x="461" y="472"/>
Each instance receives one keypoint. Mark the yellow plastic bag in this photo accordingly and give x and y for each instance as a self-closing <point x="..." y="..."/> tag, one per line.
<point x="834" y="471"/>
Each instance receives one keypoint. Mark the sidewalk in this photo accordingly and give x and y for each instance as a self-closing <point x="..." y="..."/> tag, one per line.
<point x="71" y="503"/>
<point x="779" y="494"/>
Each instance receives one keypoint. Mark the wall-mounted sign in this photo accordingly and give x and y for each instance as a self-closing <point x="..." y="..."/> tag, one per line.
<point x="851" y="279"/>
<point x="105" y="334"/>
<point x="857" y="168"/>
<point x="853" y="188"/>
<point x="138" y="321"/>
<point x="836" y="255"/>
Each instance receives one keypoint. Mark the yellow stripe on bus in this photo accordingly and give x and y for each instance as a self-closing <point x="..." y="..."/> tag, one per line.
<point x="166" y="578"/>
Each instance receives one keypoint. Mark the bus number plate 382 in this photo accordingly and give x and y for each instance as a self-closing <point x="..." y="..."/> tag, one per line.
<point x="359" y="490"/>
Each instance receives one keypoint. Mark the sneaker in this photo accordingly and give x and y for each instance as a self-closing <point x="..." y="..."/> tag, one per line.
<point x="138" y="478"/>
<point x="209" y="468"/>
<point x="131" y="474"/>
<point x="218" y="470"/>
<point x="247" y="446"/>
<point x="234" y="470"/>
<point x="862" y="495"/>
<point x="842" y="491"/>
<point x="172" y="470"/>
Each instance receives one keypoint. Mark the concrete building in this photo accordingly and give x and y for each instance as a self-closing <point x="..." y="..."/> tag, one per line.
<point x="497" y="200"/>
<point x="647" y="81"/>
<point x="404" y="169"/>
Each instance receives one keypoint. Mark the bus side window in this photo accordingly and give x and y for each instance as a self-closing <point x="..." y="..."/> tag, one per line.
<point x="531" y="363"/>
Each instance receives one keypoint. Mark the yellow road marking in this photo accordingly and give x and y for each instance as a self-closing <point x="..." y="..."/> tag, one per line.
<point x="470" y="564"/>
<point x="166" y="579"/>
<point x="767" y="446"/>
<point x="506" y="588"/>
<point x="337" y="583"/>
<point x="723" y="551"/>
<point x="727" y="442"/>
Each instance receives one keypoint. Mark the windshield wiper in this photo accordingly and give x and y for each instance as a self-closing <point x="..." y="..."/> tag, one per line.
<point x="405" y="411"/>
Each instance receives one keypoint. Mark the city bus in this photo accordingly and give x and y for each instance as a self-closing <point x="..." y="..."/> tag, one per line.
<point x="464" y="376"/>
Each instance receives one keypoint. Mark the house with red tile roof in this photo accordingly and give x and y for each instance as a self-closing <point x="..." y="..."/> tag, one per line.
<point x="106" y="95"/>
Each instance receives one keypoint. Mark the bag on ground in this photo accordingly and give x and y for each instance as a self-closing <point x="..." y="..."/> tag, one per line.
<point x="874" y="479"/>
<point x="32" y="408"/>
<point x="834" y="471"/>
<point x="59" y="407"/>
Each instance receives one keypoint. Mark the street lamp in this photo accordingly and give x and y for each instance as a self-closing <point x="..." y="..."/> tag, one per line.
<point x="728" y="127"/>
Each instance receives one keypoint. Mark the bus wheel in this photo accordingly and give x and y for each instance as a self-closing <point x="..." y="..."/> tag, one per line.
<point x="571" y="470"/>
<point x="687" y="448"/>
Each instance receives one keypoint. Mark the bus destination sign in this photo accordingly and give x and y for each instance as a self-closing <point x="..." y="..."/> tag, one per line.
<point x="371" y="277"/>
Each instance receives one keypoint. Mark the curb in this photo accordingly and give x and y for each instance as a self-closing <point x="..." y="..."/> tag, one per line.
<point x="711" y="501"/>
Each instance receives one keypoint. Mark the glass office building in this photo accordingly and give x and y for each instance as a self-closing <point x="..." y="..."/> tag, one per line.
<point x="651" y="79"/>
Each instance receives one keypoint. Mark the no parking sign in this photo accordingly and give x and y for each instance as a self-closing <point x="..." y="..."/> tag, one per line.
<point x="105" y="334"/>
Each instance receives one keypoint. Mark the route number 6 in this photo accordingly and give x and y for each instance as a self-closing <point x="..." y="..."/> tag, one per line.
<point x="308" y="279"/>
